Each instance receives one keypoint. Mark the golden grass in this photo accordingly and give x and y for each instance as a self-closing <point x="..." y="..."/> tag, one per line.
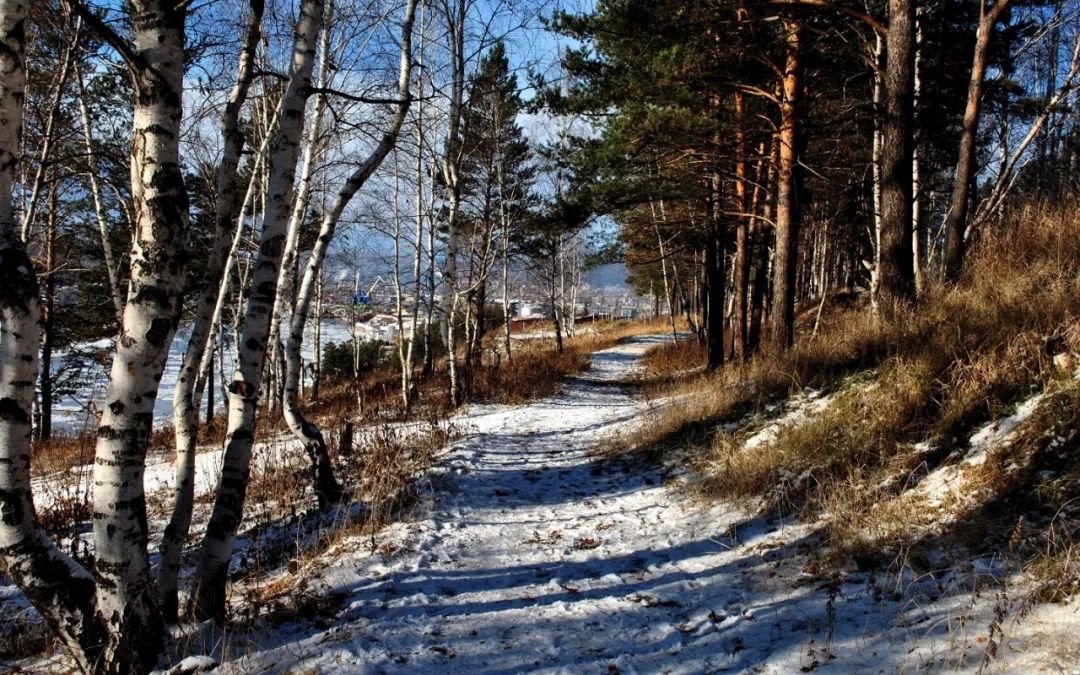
<point x="963" y="356"/>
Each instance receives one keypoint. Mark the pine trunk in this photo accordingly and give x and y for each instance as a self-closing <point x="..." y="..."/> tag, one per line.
<point x="895" y="275"/>
<point x="782" y="335"/>
<point x="956" y="218"/>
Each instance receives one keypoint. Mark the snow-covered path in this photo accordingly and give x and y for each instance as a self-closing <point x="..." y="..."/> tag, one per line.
<point x="536" y="556"/>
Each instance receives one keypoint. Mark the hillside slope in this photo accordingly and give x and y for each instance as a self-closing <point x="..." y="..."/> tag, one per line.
<point x="531" y="554"/>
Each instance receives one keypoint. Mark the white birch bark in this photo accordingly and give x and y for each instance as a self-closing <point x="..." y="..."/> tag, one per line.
<point x="61" y="590"/>
<point x="327" y="488"/>
<point x="504" y="217"/>
<point x="246" y="204"/>
<point x="185" y="402"/>
<point x="312" y="143"/>
<point x="408" y="356"/>
<point x="208" y="599"/>
<point x="126" y="602"/>
<point x="875" y="239"/>
<point x="451" y="162"/>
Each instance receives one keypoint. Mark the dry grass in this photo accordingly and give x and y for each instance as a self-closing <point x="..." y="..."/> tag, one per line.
<point x="964" y="356"/>
<point x="385" y="472"/>
<point x="674" y="360"/>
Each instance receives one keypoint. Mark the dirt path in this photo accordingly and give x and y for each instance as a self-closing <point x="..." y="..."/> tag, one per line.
<point x="535" y="557"/>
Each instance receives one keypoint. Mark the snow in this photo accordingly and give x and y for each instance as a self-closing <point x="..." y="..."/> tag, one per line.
<point x="946" y="483"/>
<point x="528" y="553"/>
<point x="76" y="410"/>
<point x="532" y="555"/>
<point x="800" y="409"/>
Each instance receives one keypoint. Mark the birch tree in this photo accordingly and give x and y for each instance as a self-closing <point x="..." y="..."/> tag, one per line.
<point x="327" y="489"/>
<point x="61" y="590"/>
<point x="109" y="620"/>
<point x="208" y="598"/>
<point x="185" y="403"/>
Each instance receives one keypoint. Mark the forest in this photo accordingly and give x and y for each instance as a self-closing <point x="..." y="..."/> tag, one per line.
<point x="539" y="336"/>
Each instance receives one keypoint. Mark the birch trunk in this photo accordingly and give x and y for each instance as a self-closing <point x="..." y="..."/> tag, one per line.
<point x="663" y="270"/>
<point x="286" y="284"/>
<point x="506" y="278"/>
<point x="208" y="599"/>
<point x="408" y="386"/>
<point x="327" y="489"/>
<point x="918" y="238"/>
<point x="714" y="276"/>
<point x="126" y="601"/>
<point x="451" y="162"/>
<point x="61" y="590"/>
<point x="185" y="399"/>
<point x="879" y="67"/>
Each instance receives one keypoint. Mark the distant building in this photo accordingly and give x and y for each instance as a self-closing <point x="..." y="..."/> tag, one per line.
<point x="384" y="328"/>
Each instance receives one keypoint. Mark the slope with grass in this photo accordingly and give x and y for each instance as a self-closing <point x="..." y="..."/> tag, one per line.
<point x="530" y="552"/>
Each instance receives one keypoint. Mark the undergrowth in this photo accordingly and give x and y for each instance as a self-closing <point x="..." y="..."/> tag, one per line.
<point x="963" y="356"/>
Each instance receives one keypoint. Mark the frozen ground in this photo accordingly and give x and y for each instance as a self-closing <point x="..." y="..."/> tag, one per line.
<point x="532" y="555"/>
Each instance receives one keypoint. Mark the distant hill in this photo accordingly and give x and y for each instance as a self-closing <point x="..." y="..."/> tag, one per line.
<point x="612" y="275"/>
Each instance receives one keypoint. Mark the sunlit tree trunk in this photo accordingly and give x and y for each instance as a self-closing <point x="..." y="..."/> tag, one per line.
<point x="407" y="354"/>
<point x="787" y="195"/>
<point x="185" y="399"/>
<point x="208" y="600"/>
<point x="956" y="218"/>
<point x="61" y="590"/>
<point x="327" y="488"/>
<point x="895" y="273"/>
<point x="126" y="599"/>
<point x="451" y="163"/>
<point x="740" y="280"/>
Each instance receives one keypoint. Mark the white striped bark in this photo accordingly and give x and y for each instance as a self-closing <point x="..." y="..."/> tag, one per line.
<point x="407" y="353"/>
<point x="287" y="278"/>
<point x="185" y="403"/>
<point x="327" y="488"/>
<point x="61" y="590"/>
<point x="126" y="602"/>
<point x="208" y="600"/>
<point x="399" y="302"/>
<point x="504" y="219"/>
<point x="225" y="288"/>
<point x="451" y="161"/>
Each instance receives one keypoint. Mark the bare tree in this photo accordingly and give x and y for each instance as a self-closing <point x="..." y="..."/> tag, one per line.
<point x="109" y="621"/>
<point x="327" y="488"/>
<point x="208" y="598"/>
<point x="185" y="401"/>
